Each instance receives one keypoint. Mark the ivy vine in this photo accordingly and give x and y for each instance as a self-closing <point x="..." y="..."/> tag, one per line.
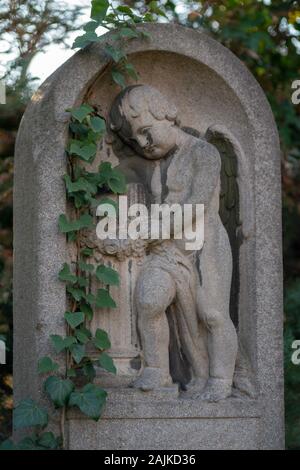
<point x="87" y="128"/>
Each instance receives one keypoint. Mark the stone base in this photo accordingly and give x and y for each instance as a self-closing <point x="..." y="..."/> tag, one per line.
<point x="135" y="420"/>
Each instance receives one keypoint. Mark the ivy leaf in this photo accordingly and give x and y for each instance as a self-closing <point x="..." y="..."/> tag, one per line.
<point x="61" y="343"/>
<point x="65" y="226"/>
<point x="114" y="179"/>
<point x="65" y="274"/>
<point x="29" y="443"/>
<point x="148" y="17"/>
<point x="101" y="340"/>
<point x="89" y="371"/>
<point x="86" y="331"/>
<point x="104" y="300"/>
<point x="117" y="183"/>
<point x="118" y="78"/>
<point x="84" y="40"/>
<point x="98" y="124"/>
<point x="90" y="298"/>
<point x="87" y="252"/>
<point x="86" y="267"/>
<point x="79" y="129"/>
<point x="128" y="33"/>
<point x="81" y="112"/>
<point x="87" y="310"/>
<point x="74" y="319"/>
<point x="71" y="236"/>
<point x="59" y="390"/>
<point x="99" y="9"/>
<point x="8" y="444"/>
<point x="107" y="363"/>
<point x="78" y="352"/>
<point x="91" y="26"/>
<point x="58" y="343"/>
<point x="126" y="10"/>
<point x="46" y="365"/>
<point x="107" y="275"/>
<point x="131" y="71"/>
<point x="82" y="336"/>
<point x="71" y="373"/>
<point x="82" y="281"/>
<point x="81" y="184"/>
<point x="90" y="400"/>
<point x="28" y="413"/>
<point x="76" y="293"/>
<point x="48" y="441"/>
<point x="154" y="8"/>
<point x="115" y="54"/>
<point x="84" y="150"/>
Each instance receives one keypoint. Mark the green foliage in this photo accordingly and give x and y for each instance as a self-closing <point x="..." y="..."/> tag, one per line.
<point x="123" y="20"/>
<point x="107" y="275"/>
<point x="104" y="300"/>
<point x="80" y="113"/>
<point x="82" y="336"/>
<point x="60" y="343"/>
<point x="48" y="441"/>
<point x="81" y="187"/>
<point x="28" y="413"/>
<point x="74" y="319"/>
<point x="59" y="390"/>
<point x="111" y="178"/>
<point x="66" y="226"/>
<point x="99" y="9"/>
<point x="101" y="340"/>
<point x="90" y="400"/>
<point x="66" y="275"/>
<point x="78" y="352"/>
<point x="85" y="150"/>
<point x="106" y="362"/>
<point x="44" y="441"/>
<point x="46" y="365"/>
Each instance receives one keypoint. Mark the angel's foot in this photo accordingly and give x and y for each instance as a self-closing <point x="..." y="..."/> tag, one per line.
<point x="243" y="385"/>
<point x="195" y="387"/>
<point x="216" y="390"/>
<point x="152" y="378"/>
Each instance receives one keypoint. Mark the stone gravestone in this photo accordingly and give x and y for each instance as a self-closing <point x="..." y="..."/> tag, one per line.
<point x="196" y="336"/>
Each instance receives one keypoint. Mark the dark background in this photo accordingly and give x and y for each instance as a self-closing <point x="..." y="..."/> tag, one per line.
<point x="265" y="35"/>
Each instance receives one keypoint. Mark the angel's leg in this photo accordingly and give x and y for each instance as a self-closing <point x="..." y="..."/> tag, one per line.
<point x="214" y="296"/>
<point x="155" y="291"/>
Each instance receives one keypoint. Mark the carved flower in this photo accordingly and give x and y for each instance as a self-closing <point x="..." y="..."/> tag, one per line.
<point x="111" y="246"/>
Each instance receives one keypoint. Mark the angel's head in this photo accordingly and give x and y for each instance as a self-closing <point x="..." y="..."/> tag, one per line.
<point x="145" y="120"/>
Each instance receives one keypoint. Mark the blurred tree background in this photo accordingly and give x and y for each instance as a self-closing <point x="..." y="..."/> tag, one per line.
<point x="264" y="34"/>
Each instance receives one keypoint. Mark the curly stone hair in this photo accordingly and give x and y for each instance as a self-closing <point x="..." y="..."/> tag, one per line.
<point x="131" y="101"/>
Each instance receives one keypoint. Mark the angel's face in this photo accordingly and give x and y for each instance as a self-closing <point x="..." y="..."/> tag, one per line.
<point x="152" y="137"/>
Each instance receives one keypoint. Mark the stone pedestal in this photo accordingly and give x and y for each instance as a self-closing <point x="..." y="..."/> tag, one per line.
<point x="163" y="421"/>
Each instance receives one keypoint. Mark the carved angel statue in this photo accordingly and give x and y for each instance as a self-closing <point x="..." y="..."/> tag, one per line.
<point x="182" y="297"/>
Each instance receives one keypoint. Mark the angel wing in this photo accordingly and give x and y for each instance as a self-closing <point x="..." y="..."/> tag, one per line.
<point x="229" y="204"/>
<point x="235" y="174"/>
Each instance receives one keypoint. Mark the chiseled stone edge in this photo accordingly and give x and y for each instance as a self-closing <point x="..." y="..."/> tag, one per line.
<point x="132" y="406"/>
